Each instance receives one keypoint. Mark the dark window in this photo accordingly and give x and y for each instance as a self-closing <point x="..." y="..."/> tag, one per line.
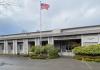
<point x="2" y="47"/>
<point x="20" y="47"/>
<point x="11" y="47"/>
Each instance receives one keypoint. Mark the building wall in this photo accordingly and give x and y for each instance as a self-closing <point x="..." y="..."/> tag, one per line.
<point x="81" y="29"/>
<point x="90" y="39"/>
<point x="86" y="34"/>
<point x="87" y="39"/>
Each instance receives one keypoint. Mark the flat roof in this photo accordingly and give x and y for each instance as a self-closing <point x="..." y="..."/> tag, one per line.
<point x="72" y="28"/>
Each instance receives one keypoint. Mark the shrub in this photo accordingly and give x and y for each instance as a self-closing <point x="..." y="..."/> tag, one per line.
<point x="33" y="48"/>
<point x="88" y="53"/>
<point x="92" y="50"/>
<point x="53" y="53"/>
<point x="44" y="52"/>
<point x="38" y="56"/>
<point x="37" y="50"/>
<point x="78" y="50"/>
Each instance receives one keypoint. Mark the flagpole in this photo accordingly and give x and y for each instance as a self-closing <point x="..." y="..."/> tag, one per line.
<point x="40" y="26"/>
<point x="42" y="6"/>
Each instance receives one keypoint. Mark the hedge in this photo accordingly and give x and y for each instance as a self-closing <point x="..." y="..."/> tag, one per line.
<point x="91" y="50"/>
<point x="87" y="53"/>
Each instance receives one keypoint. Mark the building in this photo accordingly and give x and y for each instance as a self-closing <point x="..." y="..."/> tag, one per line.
<point x="63" y="39"/>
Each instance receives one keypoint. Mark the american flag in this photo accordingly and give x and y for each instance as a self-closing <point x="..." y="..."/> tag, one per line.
<point x="44" y="6"/>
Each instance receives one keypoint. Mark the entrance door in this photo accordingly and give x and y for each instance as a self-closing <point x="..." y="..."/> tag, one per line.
<point x="61" y="44"/>
<point x="67" y="45"/>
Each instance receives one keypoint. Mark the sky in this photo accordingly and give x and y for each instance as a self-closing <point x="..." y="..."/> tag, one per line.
<point x="18" y="16"/>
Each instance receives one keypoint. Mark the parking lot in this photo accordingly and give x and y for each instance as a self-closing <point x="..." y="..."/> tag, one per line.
<point x="63" y="63"/>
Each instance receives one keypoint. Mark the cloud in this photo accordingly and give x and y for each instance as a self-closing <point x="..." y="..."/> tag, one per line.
<point x="61" y="14"/>
<point x="91" y="13"/>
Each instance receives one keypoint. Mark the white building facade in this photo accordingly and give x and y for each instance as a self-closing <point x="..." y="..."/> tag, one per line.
<point x="62" y="39"/>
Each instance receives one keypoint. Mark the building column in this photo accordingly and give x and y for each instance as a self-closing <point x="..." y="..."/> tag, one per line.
<point x="14" y="46"/>
<point x="25" y="46"/>
<point x="37" y="42"/>
<point x="50" y="40"/>
<point x="5" y="47"/>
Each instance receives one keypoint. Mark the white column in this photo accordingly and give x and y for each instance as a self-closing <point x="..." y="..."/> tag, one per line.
<point x="14" y="46"/>
<point x="5" y="47"/>
<point x="25" y="46"/>
<point x="50" y="40"/>
<point x="37" y="42"/>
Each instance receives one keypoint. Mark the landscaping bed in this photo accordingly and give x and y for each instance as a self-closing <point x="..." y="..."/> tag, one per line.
<point x="87" y="58"/>
<point x="87" y="53"/>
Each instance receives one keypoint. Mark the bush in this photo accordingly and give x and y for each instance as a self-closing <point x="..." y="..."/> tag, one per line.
<point x="44" y="52"/>
<point x="91" y="50"/>
<point x="38" y="56"/>
<point x="87" y="53"/>
<point x="32" y="49"/>
<point x="37" y="50"/>
<point x="53" y="53"/>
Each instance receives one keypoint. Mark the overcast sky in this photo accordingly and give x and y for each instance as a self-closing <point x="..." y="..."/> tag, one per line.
<point x="23" y="15"/>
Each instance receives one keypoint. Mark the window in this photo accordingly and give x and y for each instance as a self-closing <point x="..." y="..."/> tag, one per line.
<point x="11" y="47"/>
<point x="20" y="47"/>
<point x="2" y="47"/>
